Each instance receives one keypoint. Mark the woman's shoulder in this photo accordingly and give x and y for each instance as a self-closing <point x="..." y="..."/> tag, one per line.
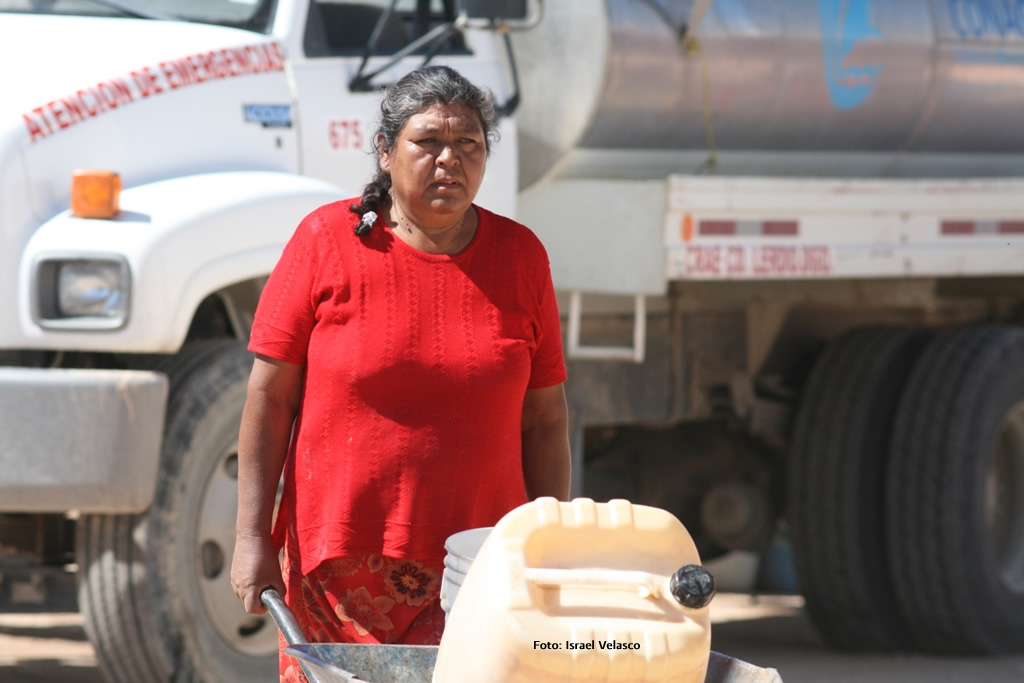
<point x="327" y="218"/>
<point x="508" y="231"/>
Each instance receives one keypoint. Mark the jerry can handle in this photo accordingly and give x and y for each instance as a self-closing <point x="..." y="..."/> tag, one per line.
<point x="692" y="586"/>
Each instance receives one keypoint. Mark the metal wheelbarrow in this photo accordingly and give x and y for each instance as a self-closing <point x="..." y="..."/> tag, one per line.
<point x="358" y="663"/>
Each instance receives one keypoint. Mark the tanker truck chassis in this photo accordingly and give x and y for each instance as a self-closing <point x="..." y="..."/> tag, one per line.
<point x="787" y="239"/>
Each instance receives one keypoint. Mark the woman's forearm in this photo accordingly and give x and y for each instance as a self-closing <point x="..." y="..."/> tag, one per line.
<point x="267" y="419"/>
<point x="270" y="407"/>
<point x="262" y="447"/>
<point x="546" y="461"/>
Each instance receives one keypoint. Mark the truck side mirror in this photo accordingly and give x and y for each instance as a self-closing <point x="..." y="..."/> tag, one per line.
<point x="511" y="13"/>
<point x="493" y="10"/>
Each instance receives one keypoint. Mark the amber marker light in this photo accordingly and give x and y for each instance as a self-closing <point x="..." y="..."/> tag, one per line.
<point x="95" y="193"/>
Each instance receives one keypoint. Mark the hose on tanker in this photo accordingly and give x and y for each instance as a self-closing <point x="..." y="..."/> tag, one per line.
<point x="693" y="47"/>
<point x="700" y="8"/>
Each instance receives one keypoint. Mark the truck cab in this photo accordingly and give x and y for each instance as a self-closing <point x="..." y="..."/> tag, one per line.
<point x="122" y="342"/>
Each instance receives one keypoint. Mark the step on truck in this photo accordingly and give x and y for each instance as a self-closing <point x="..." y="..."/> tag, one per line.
<point x="788" y="240"/>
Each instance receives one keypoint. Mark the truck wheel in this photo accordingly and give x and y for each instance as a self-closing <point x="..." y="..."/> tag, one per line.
<point x="154" y="588"/>
<point x="836" y="486"/>
<point x="956" y="494"/>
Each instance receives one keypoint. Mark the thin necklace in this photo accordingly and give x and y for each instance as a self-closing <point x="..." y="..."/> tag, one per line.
<point x="459" y="243"/>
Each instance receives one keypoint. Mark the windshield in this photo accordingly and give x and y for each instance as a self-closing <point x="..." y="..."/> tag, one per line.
<point x="253" y="15"/>
<point x="340" y="27"/>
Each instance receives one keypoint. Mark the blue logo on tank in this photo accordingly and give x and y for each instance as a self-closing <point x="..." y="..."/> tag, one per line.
<point x="845" y="25"/>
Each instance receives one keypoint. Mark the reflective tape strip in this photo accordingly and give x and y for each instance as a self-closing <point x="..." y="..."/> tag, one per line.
<point x="781" y="228"/>
<point x="982" y="227"/>
<point x="957" y="228"/>
<point x="750" y="228"/>
<point x="717" y="228"/>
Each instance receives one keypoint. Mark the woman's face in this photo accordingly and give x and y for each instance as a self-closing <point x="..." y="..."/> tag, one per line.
<point x="437" y="163"/>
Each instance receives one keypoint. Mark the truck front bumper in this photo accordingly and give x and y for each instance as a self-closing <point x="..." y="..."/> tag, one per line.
<point x="86" y="440"/>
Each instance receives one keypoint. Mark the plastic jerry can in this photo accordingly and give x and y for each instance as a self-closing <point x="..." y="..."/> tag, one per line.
<point x="581" y="591"/>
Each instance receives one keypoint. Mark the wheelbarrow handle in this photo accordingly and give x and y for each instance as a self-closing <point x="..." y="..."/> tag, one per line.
<point x="293" y="635"/>
<point x="283" y="616"/>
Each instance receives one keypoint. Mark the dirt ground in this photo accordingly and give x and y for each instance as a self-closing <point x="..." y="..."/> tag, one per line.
<point x="769" y="631"/>
<point x="772" y="631"/>
<point x="45" y="647"/>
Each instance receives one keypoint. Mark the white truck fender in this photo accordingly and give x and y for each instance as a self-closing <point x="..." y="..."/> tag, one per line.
<point x="181" y="239"/>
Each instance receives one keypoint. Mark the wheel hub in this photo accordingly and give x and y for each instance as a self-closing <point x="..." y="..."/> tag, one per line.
<point x="1004" y="501"/>
<point x="215" y="538"/>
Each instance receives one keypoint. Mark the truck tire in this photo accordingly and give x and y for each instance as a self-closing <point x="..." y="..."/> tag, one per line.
<point x="154" y="589"/>
<point x="956" y="494"/>
<point x="836" y="486"/>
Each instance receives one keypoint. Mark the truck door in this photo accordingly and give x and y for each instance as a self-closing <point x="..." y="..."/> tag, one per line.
<point x="337" y="118"/>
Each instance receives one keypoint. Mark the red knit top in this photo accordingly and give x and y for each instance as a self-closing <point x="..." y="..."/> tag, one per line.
<point x="416" y="366"/>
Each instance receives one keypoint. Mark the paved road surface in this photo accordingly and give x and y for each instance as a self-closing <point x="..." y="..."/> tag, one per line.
<point x="767" y="631"/>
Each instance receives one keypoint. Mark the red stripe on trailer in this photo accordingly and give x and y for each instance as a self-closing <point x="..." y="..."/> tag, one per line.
<point x="780" y="228"/>
<point x="1011" y="227"/>
<point x="957" y="228"/>
<point x="765" y="228"/>
<point x="718" y="227"/>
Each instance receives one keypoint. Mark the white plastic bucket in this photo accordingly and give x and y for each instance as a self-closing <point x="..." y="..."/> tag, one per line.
<point x="462" y="549"/>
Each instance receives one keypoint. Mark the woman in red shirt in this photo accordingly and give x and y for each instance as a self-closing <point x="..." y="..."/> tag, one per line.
<point x="407" y="381"/>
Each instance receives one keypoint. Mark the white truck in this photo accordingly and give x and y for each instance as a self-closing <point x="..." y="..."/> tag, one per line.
<point x="788" y="239"/>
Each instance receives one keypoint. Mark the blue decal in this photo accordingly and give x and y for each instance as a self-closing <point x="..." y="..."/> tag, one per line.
<point x="987" y="18"/>
<point x="845" y="24"/>
<point x="270" y="115"/>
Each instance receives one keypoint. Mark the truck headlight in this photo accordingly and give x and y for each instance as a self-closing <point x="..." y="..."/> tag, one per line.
<point x="90" y="288"/>
<point x="82" y="293"/>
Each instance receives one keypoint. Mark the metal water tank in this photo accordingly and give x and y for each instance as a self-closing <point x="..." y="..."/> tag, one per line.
<point x="789" y="87"/>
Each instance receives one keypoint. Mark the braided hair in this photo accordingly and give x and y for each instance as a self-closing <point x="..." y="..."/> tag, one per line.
<point x="414" y="92"/>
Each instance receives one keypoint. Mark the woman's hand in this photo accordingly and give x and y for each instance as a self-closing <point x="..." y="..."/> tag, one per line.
<point x="255" y="567"/>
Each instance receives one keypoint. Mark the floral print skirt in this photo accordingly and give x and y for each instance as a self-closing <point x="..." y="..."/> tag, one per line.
<point x="363" y="599"/>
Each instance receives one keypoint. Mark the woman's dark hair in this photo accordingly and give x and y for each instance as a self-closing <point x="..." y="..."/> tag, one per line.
<point x="413" y="93"/>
